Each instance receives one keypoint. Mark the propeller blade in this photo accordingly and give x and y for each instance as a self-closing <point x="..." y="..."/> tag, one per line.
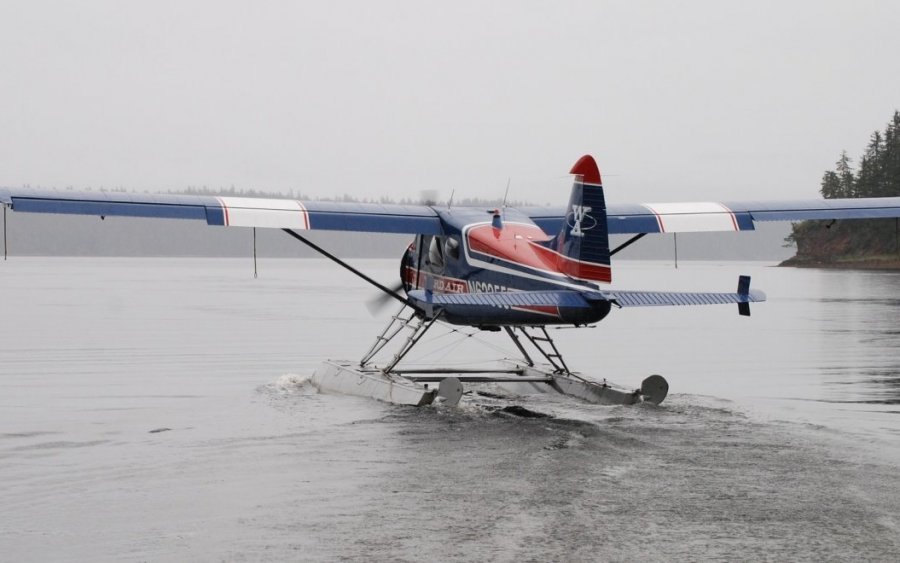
<point x="377" y="303"/>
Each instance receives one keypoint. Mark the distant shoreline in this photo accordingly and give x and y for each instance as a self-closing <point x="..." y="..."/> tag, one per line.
<point x="873" y="263"/>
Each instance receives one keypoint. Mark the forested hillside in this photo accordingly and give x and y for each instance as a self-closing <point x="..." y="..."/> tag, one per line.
<point x="864" y="243"/>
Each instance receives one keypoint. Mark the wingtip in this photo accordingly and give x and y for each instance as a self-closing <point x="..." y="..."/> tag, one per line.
<point x="586" y="167"/>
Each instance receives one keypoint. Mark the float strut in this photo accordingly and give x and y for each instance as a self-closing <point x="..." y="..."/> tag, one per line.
<point x="343" y="264"/>
<point x="515" y="339"/>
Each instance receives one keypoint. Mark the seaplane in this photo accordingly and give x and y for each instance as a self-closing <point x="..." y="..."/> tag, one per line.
<point x="508" y="270"/>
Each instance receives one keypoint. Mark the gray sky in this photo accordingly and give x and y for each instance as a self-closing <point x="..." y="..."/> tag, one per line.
<point x="677" y="101"/>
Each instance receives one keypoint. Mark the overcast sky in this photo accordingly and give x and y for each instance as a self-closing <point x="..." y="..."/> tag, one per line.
<point x="676" y="100"/>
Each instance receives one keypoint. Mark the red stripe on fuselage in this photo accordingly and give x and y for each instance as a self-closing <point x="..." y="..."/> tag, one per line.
<point x="539" y="309"/>
<point x="585" y="270"/>
<point x="511" y="243"/>
<point x="519" y="244"/>
<point x="571" y="267"/>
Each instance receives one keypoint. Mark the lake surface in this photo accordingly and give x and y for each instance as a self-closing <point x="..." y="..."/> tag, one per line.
<point x="159" y="410"/>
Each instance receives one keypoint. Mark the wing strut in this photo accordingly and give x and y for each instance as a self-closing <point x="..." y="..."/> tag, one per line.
<point x="4" y="232"/>
<point x="255" y="274"/>
<point x="340" y="262"/>
<point x="628" y="243"/>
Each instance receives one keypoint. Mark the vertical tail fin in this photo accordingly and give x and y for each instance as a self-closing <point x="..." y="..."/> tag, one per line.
<point x="583" y="242"/>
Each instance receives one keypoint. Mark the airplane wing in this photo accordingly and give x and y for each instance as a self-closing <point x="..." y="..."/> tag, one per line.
<point x="231" y="211"/>
<point x="422" y="219"/>
<point x="714" y="216"/>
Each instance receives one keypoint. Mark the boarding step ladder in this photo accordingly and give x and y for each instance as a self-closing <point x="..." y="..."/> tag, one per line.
<point x="543" y="343"/>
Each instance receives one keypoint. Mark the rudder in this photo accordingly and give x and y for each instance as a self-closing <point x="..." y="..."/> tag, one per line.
<point x="583" y="242"/>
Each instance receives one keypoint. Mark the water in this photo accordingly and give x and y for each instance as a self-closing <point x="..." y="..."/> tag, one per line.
<point x="158" y="410"/>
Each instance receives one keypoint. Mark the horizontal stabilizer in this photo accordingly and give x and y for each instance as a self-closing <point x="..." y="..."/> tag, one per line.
<point x="664" y="298"/>
<point x="505" y="299"/>
<point x="583" y="300"/>
<point x="743" y="297"/>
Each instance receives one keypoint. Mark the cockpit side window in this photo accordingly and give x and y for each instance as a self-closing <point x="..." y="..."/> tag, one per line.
<point x="436" y="254"/>
<point x="451" y="248"/>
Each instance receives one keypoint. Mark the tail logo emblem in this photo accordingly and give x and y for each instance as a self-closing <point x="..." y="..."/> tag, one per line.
<point x="579" y="214"/>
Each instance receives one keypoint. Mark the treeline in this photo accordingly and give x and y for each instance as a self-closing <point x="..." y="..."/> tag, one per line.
<point x="876" y="175"/>
<point x="425" y="199"/>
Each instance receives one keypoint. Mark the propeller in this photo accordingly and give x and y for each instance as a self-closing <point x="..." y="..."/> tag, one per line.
<point x="377" y="303"/>
<point x="428" y="197"/>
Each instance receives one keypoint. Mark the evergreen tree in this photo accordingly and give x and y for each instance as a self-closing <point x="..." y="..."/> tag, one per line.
<point x="845" y="176"/>
<point x="869" y="178"/>
<point x="892" y="156"/>
<point x="831" y="185"/>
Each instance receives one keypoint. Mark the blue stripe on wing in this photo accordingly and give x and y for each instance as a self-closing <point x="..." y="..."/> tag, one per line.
<point x="854" y="208"/>
<point x="635" y="218"/>
<point x="373" y="217"/>
<point x="106" y="204"/>
<point x="621" y="219"/>
<point x="337" y="216"/>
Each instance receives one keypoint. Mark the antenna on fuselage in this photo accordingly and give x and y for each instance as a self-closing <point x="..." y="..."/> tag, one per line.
<point x="505" y="194"/>
<point x="450" y="201"/>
